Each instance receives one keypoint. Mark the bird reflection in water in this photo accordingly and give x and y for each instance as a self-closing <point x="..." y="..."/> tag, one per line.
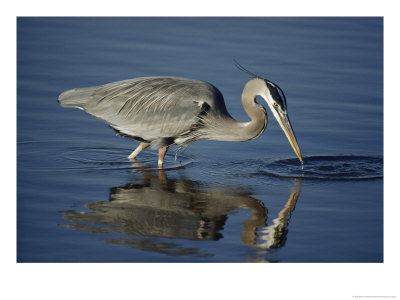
<point x="158" y="207"/>
<point x="274" y="235"/>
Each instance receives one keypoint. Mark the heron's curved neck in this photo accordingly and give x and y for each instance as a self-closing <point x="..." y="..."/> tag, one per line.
<point x="228" y="129"/>
<point x="255" y="111"/>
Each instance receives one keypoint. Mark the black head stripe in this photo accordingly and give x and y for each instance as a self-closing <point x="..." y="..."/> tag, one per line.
<point x="277" y="93"/>
<point x="275" y="90"/>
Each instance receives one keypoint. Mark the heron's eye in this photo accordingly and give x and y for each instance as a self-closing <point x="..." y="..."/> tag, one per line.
<point x="276" y="105"/>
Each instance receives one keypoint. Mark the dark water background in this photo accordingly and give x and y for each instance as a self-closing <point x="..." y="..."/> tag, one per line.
<point x="80" y="200"/>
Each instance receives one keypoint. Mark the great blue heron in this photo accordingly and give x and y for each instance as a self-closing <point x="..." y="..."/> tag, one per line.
<point x="164" y="111"/>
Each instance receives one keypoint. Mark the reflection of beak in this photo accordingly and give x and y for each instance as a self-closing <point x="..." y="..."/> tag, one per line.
<point x="283" y="120"/>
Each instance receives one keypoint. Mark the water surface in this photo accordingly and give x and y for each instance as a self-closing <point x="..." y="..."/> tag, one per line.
<point x="81" y="200"/>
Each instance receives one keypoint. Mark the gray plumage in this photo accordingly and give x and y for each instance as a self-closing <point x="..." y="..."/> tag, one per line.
<point x="162" y="111"/>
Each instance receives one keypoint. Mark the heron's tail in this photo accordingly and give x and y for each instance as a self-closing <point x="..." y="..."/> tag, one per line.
<point x="76" y="97"/>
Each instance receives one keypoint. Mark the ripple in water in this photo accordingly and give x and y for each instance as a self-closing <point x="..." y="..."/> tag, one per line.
<point x="326" y="168"/>
<point x="113" y="158"/>
<point x="45" y="156"/>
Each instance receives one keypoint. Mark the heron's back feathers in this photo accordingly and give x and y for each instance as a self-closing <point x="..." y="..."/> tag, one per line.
<point x="152" y="109"/>
<point x="76" y="97"/>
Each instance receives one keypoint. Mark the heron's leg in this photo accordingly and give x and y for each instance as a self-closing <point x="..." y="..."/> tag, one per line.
<point x="161" y="154"/>
<point x="139" y="149"/>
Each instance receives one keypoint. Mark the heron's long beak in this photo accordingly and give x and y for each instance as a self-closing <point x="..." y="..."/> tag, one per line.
<point x="283" y="120"/>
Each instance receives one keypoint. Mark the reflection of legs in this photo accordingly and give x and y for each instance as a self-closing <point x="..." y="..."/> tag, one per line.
<point x="139" y="149"/>
<point x="161" y="154"/>
<point x="162" y="179"/>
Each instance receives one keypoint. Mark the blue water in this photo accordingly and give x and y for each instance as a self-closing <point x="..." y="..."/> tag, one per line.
<point x="81" y="200"/>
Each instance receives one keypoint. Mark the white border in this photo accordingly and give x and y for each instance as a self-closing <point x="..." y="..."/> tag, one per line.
<point x="199" y="281"/>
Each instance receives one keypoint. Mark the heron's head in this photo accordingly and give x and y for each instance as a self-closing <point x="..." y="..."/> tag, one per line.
<point x="276" y="101"/>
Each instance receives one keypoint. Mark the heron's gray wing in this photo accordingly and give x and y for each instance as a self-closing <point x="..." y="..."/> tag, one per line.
<point x="151" y="108"/>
